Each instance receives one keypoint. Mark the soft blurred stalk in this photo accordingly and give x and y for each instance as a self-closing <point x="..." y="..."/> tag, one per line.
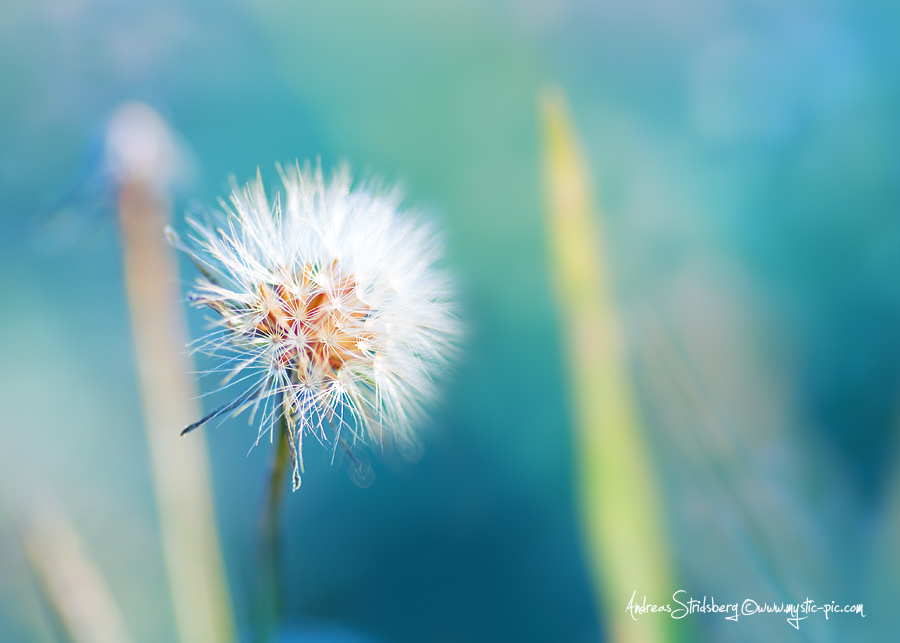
<point x="620" y="502"/>
<point x="70" y="582"/>
<point x="142" y="149"/>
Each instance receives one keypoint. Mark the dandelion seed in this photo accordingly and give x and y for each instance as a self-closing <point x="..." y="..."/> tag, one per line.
<point x="332" y="312"/>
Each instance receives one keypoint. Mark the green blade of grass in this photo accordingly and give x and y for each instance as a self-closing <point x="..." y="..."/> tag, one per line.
<point x="619" y="499"/>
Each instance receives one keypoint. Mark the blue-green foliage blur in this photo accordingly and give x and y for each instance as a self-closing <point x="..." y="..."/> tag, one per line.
<point x="746" y="157"/>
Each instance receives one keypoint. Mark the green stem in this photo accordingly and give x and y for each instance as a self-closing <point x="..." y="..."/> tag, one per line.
<point x="270" y="598"/>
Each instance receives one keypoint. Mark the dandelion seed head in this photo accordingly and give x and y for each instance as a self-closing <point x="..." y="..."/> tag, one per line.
<point x="331" y="310"/>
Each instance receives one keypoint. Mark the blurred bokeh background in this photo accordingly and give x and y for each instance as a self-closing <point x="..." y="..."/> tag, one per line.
<point x="746" y="161"/>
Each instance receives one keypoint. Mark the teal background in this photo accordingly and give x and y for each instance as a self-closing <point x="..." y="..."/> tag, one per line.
<point x="746" y="157"/>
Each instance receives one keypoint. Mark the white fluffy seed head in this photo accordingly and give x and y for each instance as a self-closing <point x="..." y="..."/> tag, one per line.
<point x="332" y="310"/>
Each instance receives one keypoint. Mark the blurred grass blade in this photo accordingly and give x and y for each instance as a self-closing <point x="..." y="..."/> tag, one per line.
<point x="179" y="467"/>
<point x="883" y="564"/>
<point x="68" y="579"/>
<point x="619" y="499"/>
<point x="717" y="454"/>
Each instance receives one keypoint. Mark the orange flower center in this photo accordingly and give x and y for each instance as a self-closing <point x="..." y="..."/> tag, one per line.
<point x="314" y="326"/>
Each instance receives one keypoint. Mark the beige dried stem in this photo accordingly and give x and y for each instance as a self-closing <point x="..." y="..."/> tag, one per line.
<point x="619" y="499"/>
<point x="144" y="156"/>
<point x="69" y="580"/>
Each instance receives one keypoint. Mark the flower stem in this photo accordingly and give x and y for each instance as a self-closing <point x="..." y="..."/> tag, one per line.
<point x="270" y="597"/>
